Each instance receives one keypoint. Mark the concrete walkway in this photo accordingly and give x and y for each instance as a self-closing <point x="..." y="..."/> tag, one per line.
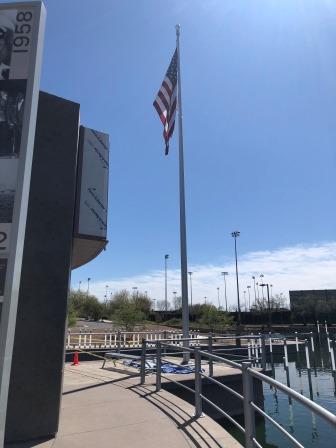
<point x="108" y="408"/>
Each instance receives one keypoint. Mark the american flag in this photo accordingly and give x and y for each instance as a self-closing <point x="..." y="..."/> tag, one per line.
<point x="165" y="102"/>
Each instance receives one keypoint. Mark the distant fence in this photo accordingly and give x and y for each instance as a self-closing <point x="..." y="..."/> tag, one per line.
<point x="278" y="317"/>
<point x="250" y="317"/>
<point x="122" y="339"/>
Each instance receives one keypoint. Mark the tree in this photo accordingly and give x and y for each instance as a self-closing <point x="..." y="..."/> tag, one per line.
<point x="143" y="303"/>
<point x="161" y="305"/>
<point x="92" y="308"/>
<point x="177" y="301"/>
<point x="276" y="303"/>
<point x="128" y="315"/>
<point x="214" y="318"/>
<point x="119" y="298"/>
<point x="72" y="315"/>
<point x="129" y="310"/>
<point x="85" y="306"/>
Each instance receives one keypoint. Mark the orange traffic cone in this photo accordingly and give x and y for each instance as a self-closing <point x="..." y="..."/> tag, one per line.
<point x="75" y="360"/>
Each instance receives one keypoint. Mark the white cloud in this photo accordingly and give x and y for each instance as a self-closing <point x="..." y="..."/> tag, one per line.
<point x="297" y="267"/>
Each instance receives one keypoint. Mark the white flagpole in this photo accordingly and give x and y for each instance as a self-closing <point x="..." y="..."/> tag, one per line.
<point x="183" y="235"/>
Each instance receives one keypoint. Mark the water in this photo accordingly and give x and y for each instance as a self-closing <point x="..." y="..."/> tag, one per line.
<point x="309" y="429"/>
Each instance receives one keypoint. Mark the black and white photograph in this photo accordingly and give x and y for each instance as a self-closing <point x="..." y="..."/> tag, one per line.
<point x="12" y="100"/>
<point x="3" y="267"/>
<point x="8" y="179"/>
<point x="7" y="27"/>
<point x="92" y="215"/>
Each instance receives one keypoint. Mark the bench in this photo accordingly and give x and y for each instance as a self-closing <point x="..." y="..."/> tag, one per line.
<point x="116" y="355"/>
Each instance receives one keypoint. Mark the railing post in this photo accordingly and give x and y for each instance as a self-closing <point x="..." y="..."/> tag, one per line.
<point x="210" y="358"/>
<point x="248" y="409"/>
<point x="143" y="362"/>
<point x="333" y="368"/>
<point x="198" y="384"/>
<point x="68" y="339"/>
<point x="158" y="366"/>
<point x="118" y="341"/>
<point x="307" y="355"/>
<point x="165" y="336"/>
<point x="263" y="352"/>
<point x="285" y="353"/>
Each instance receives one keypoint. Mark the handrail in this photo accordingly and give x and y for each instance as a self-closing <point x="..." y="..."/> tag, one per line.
<point x="248" y="374"/>
<point x="322" y="412"/>
<point x="224" y="386"/>
<point x="220" y="359"/>
<point x="277" y="425"/>
<point x="232" y="420"/>
<point x="179" y="384"/>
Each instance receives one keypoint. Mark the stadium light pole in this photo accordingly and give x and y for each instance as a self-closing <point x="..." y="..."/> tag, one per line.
<point x="106" y="291"/>
<point x="262" y="286"/>
<point x="174" y="300"/>
<point x="268" y="304"/>
<point x="249" y="296"/>
<point x="190" y="274"/>
<point x="255" y="292"/>
<point x="166" y="299"/>
<point x="235" y="235"/>
<point x="224" y="274"/>
<point x="88" y="288"/>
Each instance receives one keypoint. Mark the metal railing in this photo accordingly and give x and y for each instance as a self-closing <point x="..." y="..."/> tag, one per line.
<point x="248" y="375"/>
<point x="122" y="339"/>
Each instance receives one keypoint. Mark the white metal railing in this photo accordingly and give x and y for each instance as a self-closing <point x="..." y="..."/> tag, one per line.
<point x="124" y="339"/>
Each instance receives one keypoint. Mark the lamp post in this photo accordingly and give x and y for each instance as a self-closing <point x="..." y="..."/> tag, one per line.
<point x="224" y="274"/>
<point x="271" y="286"/>
<point x="249" y="296"/>
<point x="154" y="306"/>
<point x="268" y="304"/>
<point x="88" y="288"/>
<point x="235" y="235"/>
<point x="218" y="297"/>
<point x="136" y="292"/>
<point x="244" y="299"/>
<point x="258" y="289"/>
<point x="190" y="274"/>
<point x="79" y="286"/>
<point x="174" y="300"/>
<point x="106" y="290"/>
<point x="166" y="300"/>
<point x="254" y="285"/>
<point x="262" y="286"/>
<point x="205" y="300"/>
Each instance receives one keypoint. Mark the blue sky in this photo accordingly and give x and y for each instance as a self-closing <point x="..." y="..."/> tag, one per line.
<point x="259" y="99"/>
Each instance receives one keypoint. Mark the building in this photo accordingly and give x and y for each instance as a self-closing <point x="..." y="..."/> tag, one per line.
<point x="302" y="297"/>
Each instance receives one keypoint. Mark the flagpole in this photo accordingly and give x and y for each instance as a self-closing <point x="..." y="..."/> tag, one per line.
<point x="183" y="233"/>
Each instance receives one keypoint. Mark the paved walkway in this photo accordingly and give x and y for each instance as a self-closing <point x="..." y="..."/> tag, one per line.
<point x="108" y="408"/>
